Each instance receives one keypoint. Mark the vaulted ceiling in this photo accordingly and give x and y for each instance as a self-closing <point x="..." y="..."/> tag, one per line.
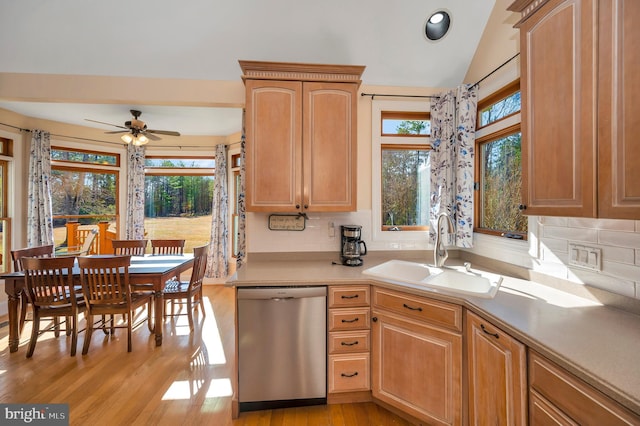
<point x="200" y="40"/>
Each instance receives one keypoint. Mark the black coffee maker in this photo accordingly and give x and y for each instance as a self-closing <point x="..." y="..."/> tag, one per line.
<point x="352" y="246"/>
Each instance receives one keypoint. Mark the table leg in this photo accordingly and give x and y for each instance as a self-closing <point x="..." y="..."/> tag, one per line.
<point x="14" y="318"/>
<point x="159" y="314"/>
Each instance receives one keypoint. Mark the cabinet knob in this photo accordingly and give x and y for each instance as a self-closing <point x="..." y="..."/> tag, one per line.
<point x="306" y="206"/>
<point x="374" y="319"/>
<point x="522" y="207"/>
<point x="298" y="206"/>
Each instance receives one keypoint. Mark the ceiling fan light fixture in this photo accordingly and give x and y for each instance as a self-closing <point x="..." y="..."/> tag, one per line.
<point x="140" y="140"/>
<point x="127" y="138"/>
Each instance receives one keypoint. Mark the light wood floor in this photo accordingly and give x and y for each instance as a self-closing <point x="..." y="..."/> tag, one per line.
<point x="186" y="381"/>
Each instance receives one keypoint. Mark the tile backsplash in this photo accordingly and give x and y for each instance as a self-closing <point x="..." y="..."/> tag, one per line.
<point x="546" y="252"/>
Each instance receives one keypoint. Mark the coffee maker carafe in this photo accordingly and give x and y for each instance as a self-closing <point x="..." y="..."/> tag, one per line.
<point x="352" y="246"/>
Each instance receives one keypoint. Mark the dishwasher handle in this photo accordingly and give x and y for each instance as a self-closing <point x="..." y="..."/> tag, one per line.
<point x="280" y="293"/>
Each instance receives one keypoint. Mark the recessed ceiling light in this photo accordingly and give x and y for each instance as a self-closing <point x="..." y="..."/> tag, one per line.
<point x="437" y="25"/>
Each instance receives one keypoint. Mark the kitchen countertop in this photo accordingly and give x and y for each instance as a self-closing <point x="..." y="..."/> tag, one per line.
<point x="598" y="343"/>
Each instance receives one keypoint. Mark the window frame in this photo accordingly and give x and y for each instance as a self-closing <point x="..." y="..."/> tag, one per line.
<point x="505" y="126"/>
<point x="6" y="160"/>
<point x="494" y="98"/>
<point x="414" y="239"/>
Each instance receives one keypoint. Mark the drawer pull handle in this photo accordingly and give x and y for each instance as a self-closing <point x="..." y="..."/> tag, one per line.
<point x="496" y="335"/>
<point x="349" y="375"/>
<point x="353" y="320"/>
<point x="349" y="343"/>
<point x="355" y="296"/>
<point x="419" y="309"/>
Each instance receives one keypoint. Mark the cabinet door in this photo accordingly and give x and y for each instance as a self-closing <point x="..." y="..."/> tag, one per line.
<point x="417" y="369"/>
<point x="274" y="145"/>
<point x="619" y="113"/>
<point x="558" y="109"/>
<point x="497" y="375"/>
<point x="329" y="147"/>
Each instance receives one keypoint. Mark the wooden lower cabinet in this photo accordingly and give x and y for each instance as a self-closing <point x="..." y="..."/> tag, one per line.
<point x="416" y="366"/>
<point x="557" y="397"/>
<point x="497" y="391"/>
<point x="349" y="344"/>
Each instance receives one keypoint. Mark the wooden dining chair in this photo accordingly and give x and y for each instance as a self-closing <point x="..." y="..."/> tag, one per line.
<point x="129" y="247"/>
<point x="50" y="288"/>
<point x="167" y="247"/>
<point x="189" y="292"/>
<point x="17" y="256"/>
<point x="105" y="285"/>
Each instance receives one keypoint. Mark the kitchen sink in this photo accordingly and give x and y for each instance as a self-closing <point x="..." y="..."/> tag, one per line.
<point x="448" y="279"/>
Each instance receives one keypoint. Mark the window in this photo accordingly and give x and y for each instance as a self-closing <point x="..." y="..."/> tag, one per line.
<point x="400" y="170"/>
<point x="179" y="197"/>
<point x="405" y="187"/>
<point x="502" y="104"/>
<point x="499" y="165"/>
<point x="84" y="189"/>
<point x="5" y="221"/>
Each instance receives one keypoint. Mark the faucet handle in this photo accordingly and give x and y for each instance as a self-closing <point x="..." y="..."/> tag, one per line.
<point x="467" y="266"/>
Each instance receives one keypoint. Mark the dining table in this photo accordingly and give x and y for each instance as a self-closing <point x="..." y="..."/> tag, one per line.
<point x="148" y="269"/>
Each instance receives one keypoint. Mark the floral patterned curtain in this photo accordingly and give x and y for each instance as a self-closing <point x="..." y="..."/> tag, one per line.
<point x="453" y="125"/>
<point x="134" y="224"/>
<point x="242" y="214"/>
<point x="39" y="206"/>
<point x="218" y="257"/>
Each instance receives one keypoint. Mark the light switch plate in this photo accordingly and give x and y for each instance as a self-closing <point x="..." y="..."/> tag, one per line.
<point x="585" y="257"/>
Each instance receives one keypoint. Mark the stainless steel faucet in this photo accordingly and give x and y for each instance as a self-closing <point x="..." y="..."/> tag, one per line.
<point x="440" y="253"/>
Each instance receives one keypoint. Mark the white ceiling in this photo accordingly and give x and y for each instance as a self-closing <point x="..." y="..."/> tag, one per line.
<point x="204" y="39"/>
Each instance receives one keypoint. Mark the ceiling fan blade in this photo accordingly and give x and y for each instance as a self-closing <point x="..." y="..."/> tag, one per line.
<point x="108" y="124"/>
<point x="117" y="131"/>
<point x="163" y="132"/>
<point x="152" y="136"/>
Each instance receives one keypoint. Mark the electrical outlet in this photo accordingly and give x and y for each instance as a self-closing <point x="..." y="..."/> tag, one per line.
<point x="585" y="257"/>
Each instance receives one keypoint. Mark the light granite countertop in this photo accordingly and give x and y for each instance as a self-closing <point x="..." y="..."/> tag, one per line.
<point x="593" y="340"/>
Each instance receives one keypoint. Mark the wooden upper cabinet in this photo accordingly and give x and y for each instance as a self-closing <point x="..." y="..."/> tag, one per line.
<point x="273" y="150"/>
<point x="579" y="107"/>
<point x="301" y="122"/>
<point x="619" y="109"/>
<point x="557" y="87"/>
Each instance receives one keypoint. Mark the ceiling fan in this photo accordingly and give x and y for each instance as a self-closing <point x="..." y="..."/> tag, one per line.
<point x="136" y="131"/>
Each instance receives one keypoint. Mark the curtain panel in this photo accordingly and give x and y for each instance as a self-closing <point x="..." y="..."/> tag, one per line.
<point x="453" y="125"/>
<point x="218" y="255"/>
<point x="39" y="204"/>
<point x="242" y="210"/>
<point x="134" y="222"/>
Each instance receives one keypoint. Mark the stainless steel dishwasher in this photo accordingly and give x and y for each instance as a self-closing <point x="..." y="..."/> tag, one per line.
<point x="282" y="347"/>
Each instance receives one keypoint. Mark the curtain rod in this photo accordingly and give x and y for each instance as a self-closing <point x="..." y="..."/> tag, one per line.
<point x="476" y="84"/>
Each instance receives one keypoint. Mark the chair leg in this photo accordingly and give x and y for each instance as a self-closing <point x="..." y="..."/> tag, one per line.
<point x="150" y="318"/>
<point x="74" y="334"/>
<point x="129" y="331"/>
<point x="201" y="302"/>
<point x="23" y="310"/>
<point x="190" y="312"/>
<point x="67" y="328"/>
<point x="35" y="329"/>
<point x="87" y="335"/>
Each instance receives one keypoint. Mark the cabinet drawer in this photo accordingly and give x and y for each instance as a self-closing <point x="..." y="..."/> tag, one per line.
<point x="578" y="400"/>
<point x="349" y="341"/>
<point x="442" y="314"/>
<point x="349" y="319"/>
<point x="348" y="373"/>
<point x="347" y="296"/>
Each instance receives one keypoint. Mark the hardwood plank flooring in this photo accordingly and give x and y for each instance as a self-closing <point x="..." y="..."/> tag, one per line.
<point x="186" y="381"/>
